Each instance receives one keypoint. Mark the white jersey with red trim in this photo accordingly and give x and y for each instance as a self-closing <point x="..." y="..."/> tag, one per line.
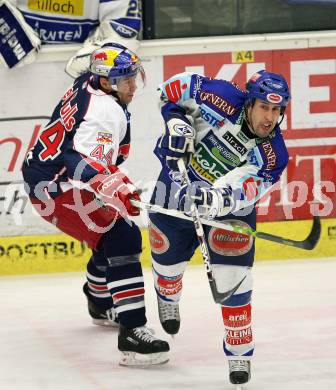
<point x="89" y="132"/>
<point x="72" y="21"/>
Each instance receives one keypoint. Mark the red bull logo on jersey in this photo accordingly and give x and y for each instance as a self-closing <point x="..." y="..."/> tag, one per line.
<point x="104" y="138"/>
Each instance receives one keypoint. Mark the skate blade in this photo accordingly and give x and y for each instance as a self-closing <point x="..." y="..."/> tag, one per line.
<point x="140" y="360"/>
<point x="102" y="322"/>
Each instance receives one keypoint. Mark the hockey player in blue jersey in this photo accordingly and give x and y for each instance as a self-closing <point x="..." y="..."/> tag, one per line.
<point x="26" y="24"/>
<point x="73" y="179"/>
<point x="234" y="151"/>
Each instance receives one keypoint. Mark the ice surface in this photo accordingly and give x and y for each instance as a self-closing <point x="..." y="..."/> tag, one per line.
<point x="48" y="341"/>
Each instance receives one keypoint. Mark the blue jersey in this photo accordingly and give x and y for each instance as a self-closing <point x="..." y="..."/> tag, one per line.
<point x="88" y="133"/>
<point x="227" y="153"/>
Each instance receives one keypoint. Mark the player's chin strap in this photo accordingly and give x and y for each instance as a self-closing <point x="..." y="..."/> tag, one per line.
<point x="219" y="297"/>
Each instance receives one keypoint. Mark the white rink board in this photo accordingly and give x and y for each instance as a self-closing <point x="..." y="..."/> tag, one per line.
<point x="35" y="89"/>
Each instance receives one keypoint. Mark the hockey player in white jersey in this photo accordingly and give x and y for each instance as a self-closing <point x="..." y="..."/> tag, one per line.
<point x="26" y="24"/>
<point x="234" y="152"/>
<point x="73" y="179"/>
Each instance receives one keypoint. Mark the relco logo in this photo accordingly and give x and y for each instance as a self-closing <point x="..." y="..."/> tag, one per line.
<point x="240" y="148"/>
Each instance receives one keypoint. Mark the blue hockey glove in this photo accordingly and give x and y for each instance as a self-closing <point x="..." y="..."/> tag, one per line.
<point x="178" y="142"/>
<point x="210" y="202"/>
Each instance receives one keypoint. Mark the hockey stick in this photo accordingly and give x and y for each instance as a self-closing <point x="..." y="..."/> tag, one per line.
<point x="308" y="243"/>
<point x="218" y="297"/>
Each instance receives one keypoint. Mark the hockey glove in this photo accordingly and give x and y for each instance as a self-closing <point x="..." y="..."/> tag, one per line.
<point x="178" y="142"/>
<point x="210" y="202"/>
<point x="18" y="42"/>
<point x="115" y="191"/>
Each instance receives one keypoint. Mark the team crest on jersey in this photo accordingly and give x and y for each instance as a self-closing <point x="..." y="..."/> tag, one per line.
<point x="104" y="138"/>
<point x="184" y="130"/>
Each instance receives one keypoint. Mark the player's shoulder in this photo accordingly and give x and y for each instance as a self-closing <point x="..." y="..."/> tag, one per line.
<point x="223" y="88"/>
<point x="103" y="105"/>
<point x="220" y="95"/>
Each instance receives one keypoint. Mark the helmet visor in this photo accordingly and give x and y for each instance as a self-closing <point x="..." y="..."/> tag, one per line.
<point x="137" y="81"/>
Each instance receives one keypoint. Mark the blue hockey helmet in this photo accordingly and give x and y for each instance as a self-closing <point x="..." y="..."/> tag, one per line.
<point x="269" y="87"/>
<point x="115" y="62"/>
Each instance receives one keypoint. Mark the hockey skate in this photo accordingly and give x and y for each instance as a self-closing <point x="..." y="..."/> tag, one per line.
<point x="169" y="316"/>
<point x="240" y="371"/>
<point x="139" y="348"/>
<point x="100" y="316"/>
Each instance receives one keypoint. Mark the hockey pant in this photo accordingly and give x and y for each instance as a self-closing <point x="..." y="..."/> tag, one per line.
<point x="173" y="243"/>
<point x="114" y="272"/>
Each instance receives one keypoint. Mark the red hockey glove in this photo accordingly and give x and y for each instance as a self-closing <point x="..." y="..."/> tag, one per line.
<point x="116" y="191"/>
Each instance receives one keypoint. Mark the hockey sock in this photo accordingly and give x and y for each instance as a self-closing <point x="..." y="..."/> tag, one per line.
<point x="168" y="288"/>
<point x="97" y="287"/>
<point x="126" y="285"/>
<point x="168" y="280"/>
<point x="238" y="340"/>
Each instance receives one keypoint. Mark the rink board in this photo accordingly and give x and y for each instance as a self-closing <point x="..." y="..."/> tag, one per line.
<point x="308" y="126"/>
<point x="61" y="253"/>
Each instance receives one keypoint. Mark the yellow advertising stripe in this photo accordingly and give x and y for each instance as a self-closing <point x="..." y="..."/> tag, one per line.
<point x="62" y="7"/>
<point x="61" y="253"/>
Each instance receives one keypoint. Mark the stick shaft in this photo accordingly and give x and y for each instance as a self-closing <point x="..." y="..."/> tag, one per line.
<point x="308" y="244"/>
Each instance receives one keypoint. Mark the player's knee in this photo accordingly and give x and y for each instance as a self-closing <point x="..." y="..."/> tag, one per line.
<point x="120" y="261"/>
<point x="228" y="276"/>
<point x="121" y="239"/>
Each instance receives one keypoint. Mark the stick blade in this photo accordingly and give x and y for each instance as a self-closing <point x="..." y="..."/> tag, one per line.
<point x="314" y="235"/>
<point x="308" y="243"/>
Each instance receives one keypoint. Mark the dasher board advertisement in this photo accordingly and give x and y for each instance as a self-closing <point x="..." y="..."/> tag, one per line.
<point x="307" y="186"/>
